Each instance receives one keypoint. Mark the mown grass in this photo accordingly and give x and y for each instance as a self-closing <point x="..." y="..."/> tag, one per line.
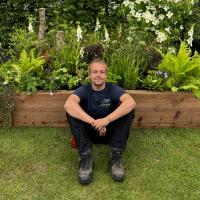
<point x="39" y="164"/>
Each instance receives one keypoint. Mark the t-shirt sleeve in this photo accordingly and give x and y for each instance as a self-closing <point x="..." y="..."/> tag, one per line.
<point x="80" y="92"/>
<point x="116" y="92"/>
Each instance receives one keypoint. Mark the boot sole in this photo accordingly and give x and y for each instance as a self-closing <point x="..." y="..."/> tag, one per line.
<point x="89" y="180"/>
<point x="117" y="179"/>
<point x="86" y="182"/>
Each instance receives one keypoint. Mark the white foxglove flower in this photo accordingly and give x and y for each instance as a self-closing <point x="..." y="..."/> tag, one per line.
<point x="30" y="26"/>
<point x="81" y="52"/>
<point x="79" y="33"/>
<point x="106" y="34"/>
<point x="190" y="34"/>
<point x="98" y="26"/>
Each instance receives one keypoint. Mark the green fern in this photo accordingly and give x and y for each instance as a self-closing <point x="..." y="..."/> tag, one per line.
<point x="23" y="74"/>
<point x="183" y="70"/>
<point x="27" y="65"/>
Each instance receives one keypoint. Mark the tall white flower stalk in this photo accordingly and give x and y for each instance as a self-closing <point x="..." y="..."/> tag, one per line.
<point x="30" y="26"/>
<point x="79" y="33"/>
<point x="81" y="53"/>
<point x="190" y="36"/>
<point x="107" y="38"/>
<point x="98" y="26"/>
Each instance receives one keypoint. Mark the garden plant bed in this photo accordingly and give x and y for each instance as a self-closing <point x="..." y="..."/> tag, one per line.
<point x="154" y="109"/>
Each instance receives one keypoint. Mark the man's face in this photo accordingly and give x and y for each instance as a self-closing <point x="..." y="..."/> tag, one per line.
<point x="98" y="74"/>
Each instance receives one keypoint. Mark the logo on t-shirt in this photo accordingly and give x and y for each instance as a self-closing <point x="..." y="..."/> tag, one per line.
<point x="105" y="103"/>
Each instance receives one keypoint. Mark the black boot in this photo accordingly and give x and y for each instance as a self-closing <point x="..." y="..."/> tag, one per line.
<point x="116" y="167"/>
<point x="85" y="168"/>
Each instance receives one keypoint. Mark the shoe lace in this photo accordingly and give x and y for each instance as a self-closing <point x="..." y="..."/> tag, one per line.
<point x="116" y="159"/>
<point x="85" y="162"/>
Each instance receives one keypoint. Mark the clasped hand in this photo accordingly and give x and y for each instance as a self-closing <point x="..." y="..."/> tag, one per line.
<point x="100" y="125"/>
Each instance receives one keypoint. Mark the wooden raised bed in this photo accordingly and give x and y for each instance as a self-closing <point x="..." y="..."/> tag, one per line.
<point x="154" y="109"/>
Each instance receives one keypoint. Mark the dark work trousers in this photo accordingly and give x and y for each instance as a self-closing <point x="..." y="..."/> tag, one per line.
<point x="116" y="135"/>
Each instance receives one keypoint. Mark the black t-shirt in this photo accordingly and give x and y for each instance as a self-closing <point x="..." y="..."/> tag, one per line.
<point x="99" y="104"/>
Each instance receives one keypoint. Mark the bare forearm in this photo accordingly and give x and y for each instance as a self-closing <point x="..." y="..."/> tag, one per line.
<point x="125" y="107"/>
<point x="77" y="112"/>
<point x="122" y="110"/>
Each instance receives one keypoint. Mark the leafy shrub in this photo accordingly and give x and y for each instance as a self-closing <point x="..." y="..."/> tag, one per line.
<point x="126" y="61"/>
<point x="161" y="23"/>
<point x="153" y="81"/>
<point x="6" y="104"/>
<point x="183" y="70"/>
<point x="23" y="73"/>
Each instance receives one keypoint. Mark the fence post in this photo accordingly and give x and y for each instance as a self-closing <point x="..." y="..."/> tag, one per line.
<point x="59" y="40"/>
<point x="42" y="24"/>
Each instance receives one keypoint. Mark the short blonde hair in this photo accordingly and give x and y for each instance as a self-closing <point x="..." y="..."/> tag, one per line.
<point x="97" y="60"/>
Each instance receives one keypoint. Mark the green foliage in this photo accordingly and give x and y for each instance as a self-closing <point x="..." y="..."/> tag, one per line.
<point x="28" y="84"/>
<point x="7" y="73"/>
<point x="161" y="23"/>
<point x="23" y="40"/>
<point x="21" y="73"/>
<point x="6" y="104"/>
<point x="194" y="19"/>
<point x="44" y="66"/>
<point x="183" y="70"/>
<point x="27" y="65"/>
<point x="60" y="79"/>
<point x="153" y="81"/>
<point x="73" y="82"/>
<point x="69" y="54"/>
<point x="126" y="61"/>
<point x="113" y="78"/>
<point x="15" y="14"/>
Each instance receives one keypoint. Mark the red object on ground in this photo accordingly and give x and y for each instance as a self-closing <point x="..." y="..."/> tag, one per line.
<point x="73" y="142"/>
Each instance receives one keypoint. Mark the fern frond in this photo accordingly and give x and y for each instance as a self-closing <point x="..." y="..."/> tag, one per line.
<point x="24" y="61"/>
<point x="168" y="63"/>
<point x="189" y="87"/>
<point x="170" y="82"/>
<point x="183" y="56"/>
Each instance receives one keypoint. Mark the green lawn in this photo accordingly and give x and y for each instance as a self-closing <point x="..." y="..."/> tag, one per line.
<point x="39" y="164"/>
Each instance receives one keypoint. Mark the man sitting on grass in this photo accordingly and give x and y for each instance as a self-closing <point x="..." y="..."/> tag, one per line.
<point x="100" y="112"/>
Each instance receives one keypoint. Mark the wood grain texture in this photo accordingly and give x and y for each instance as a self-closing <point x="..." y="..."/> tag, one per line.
<point x="154" y="109"/>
